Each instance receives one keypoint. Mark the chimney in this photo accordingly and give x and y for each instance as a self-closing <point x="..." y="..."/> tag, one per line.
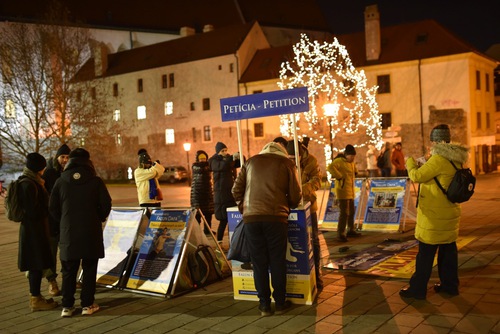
<point x="372" y="32"/>
<point x="187" y="31"/>
<point x="100" y="59"/>
<point x="208" y="27"/>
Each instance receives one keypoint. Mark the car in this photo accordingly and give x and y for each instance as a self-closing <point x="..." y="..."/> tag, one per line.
<point x="174" y="174"/>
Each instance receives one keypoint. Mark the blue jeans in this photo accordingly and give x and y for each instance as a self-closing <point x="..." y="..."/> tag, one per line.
<point x="267" y="241"/>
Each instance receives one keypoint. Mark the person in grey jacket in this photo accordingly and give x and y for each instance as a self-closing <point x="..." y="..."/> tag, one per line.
<point x="80" y="202"/>
<point x="265" y="190"/>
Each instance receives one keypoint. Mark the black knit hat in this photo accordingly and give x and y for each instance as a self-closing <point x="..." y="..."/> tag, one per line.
<point x="144" y="158"/>
<point x="441" y="133"/>
<point x="349" y="150"/>
<point x="219" y="146"/>
<point x="281" y="140"/>
<point x="79" y="153"/>
<point x="35" y="162"/>
<point x="63" y="150"/>
<point x="290" y="148"/>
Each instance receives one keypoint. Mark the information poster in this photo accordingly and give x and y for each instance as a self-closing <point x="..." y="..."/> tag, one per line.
<point x="159" y="251"/>
<point x="301" y="280"/>
<point x="332" y="212"/>
<point x="119" y="235"/>
<point x="385" y="204"/>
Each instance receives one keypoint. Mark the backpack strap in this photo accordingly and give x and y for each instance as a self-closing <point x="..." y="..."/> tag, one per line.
<point x="439" y="184"/>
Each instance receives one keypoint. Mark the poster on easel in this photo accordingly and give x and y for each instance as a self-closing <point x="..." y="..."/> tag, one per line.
<point x="386" y="203"/>
<point x="119" y="236"/>
<point x="159" y="252"/>
<point x="332" y="211"/>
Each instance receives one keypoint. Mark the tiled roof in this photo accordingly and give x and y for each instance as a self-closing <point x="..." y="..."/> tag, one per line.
<point x="411" y="41"/>
<point x="215" y="43"/>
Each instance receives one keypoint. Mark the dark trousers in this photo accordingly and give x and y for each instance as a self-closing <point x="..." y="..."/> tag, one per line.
<point x="346" y="216"/>
<point x="316" y="246"/>
<point x="70" y="272"/>
<point x="54" y="243"/>
<point x="267" y="242"/>
<point x="221" y="229"/>
<point x="401" y="172"/>
<point x="208" y="218"/>
<point x="447" y="267"/>
<point x="35" y="280"/>
<point x="386" y="172"/>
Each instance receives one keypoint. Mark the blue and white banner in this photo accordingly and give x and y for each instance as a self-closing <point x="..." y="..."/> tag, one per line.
<point x="280" y="102"/>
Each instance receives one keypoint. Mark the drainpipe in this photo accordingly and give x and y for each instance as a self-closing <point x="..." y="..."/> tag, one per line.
<point x="421" y="106"/>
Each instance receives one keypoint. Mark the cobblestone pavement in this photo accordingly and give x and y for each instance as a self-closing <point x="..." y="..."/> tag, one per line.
<point x="349" y="303"/>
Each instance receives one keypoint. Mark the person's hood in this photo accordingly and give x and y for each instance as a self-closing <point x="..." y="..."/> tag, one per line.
<point x="274" y="148"/>
<point x="78" y="170"/>
<point x="451" y="151"/>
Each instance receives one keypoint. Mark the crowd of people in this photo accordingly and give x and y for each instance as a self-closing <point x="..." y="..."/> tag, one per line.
<point x="66" y="204"/>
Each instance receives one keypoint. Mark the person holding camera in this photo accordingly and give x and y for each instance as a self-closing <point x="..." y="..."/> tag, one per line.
<point x="146" y="179"/>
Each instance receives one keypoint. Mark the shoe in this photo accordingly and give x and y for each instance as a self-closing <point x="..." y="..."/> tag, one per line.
<point x="407" y="293"/>
<point x="265" y="310"/>
<point x="280" y="309"/>
<point x="353" y="233"/>
<point x="53" y="288"/>
<point x="38" y="303"/>
<point x="342" y="238"/>
<point x="67" y="312"/>
<point x="439" y="288"/>
<point x="90" y="309"/>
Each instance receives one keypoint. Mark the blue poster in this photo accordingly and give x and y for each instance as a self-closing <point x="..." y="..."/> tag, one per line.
<point x="332" y="211"/>
<point x="275" y="103"/>
<point x="159" y="252"/>
<point x="385" y="203"/>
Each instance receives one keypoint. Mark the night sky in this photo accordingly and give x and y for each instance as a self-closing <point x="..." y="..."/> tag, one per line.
<point x="477" y="22"/>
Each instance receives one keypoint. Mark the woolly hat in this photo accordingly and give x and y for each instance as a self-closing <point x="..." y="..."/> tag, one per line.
<point x="441" y="133"/>
<point x="35" y="162"/>
<point x="349" y="150"/>
<point x="290" y="148"/>
<point x="144" y="158"/>
<point x="141" y="151"/>
<point x="79" y="153"/>
<point x="281" y="140"/>
<point x="63" y="150"/>
<point x="219" y="146"/>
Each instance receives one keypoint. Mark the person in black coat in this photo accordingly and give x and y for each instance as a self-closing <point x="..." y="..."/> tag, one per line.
<point x="223" y="166"/>
<point x="202" y="196"/>
<point x="80" y="202"/>
<point x="51" y="174"/>
<point x="34" y="253"/>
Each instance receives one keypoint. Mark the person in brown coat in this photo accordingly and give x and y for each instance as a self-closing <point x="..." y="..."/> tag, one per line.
<point x="398" y="160"/>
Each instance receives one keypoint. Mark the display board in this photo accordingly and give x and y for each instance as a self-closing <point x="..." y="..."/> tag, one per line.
<point x="301" y="276"/>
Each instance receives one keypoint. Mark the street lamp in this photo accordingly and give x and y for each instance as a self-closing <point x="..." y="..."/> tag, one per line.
<point x="187" y="148"/>
<point x="331" y="110"/>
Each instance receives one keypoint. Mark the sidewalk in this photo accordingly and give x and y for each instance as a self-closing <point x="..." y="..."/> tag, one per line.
<point x="349" y="303"/>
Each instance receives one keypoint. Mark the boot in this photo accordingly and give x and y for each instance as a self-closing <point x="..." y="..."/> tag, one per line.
<point x="53" y="288"/>
<point x="38" y="303"/>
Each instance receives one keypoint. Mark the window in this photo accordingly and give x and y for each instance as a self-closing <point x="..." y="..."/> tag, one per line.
<point x="10" y="109"/>
<point x="116" y="115"/>
<point x="169" y="136"/>
<point x="231" y="67"/>
<point x="384" y="84"/>
<point x="191" y="106"/>
<point x="487" y="79"/>
<point x="193" y="130"/>
<point x="171" y="80"/>
<point x="349" y="87"/>
<point x="139" y="86"/>
<point x="421" y="38"/>
<point x="257" y="91"/>
<point x="386" y="120"/>
<point x="258" y="130"/>
<point x="488" y="121"/>
<point x="206" y="104"/>
<point x="220" y="67"/>
<point x="115" y="89"/>
<point x="93" y="93"/>
<point x="207" y="133"/>
<point x="118" y="139"/>
<point x="498" y="106"/>
<point x="169" y="108"/>
<point x="141" y="112"/>
<point x="164" y="81"/>
<point x="478" y="80"/>
<point x="478" y="120"/>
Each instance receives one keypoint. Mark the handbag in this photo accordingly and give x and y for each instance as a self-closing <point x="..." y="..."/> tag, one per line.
<point x="238" y="248"/>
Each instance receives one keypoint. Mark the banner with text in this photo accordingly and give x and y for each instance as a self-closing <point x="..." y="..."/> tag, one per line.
<point x="280" y="102"/>
<point x="332" y="211"/>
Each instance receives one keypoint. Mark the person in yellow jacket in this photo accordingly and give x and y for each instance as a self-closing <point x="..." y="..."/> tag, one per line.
<point x="437" y="218"/>
<point x="343" y="169"/>
<point x="146" y="179"/>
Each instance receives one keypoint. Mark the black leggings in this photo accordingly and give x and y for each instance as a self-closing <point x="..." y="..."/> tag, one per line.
<point x="35" y="280"/>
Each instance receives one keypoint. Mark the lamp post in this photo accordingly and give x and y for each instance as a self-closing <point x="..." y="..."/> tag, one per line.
<point x="331" y="111"/>
<point x="187" y="148"/>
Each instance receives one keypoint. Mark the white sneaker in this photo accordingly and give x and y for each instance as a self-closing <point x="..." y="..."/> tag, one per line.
<point x="90" y="309"/>
<point x="67" y="312"/>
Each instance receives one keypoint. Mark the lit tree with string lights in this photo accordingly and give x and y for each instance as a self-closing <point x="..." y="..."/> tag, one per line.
<point x="349" y="110"/>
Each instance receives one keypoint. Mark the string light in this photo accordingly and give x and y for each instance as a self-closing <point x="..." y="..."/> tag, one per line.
<point x="327" y="71"/>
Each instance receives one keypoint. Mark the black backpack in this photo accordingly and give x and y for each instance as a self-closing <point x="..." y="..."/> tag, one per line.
<point x="461" y="187"/>
<point x="13" y="205"/>
<point x="380" y="161"/>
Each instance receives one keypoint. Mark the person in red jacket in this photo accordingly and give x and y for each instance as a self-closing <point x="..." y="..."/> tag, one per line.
<point x="398" y="160"/>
